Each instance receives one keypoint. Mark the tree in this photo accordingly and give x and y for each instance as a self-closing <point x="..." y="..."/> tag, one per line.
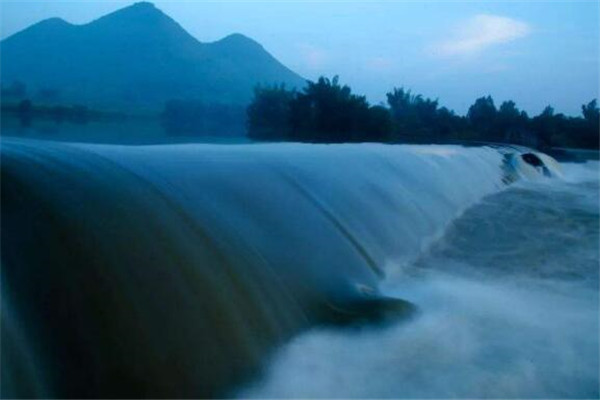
<point x="326" y="111"/>
<point x="379" y="126"/>
<point x="591" y="134"/>
<point x="511" y="125"/>
<point x="269" y="113"/>
<point x="413" y="115"/>
<point x="449" y="125"/>
<point x="401" y="107"/>
<point x="509" y="112"/>
<point x="482" y="117"/>
<point x="590" y="112"/>
<point x="546" y="126"/>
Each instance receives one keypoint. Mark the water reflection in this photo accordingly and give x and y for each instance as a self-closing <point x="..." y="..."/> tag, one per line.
<point x="132" y="130"/>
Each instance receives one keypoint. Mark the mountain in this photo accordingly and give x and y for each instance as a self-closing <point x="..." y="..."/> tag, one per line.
<point x="136" y="57"/>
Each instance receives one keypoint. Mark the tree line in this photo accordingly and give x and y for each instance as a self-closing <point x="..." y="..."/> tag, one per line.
<point x="327" y="112"/>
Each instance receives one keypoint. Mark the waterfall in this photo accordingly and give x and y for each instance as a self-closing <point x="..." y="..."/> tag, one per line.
<point x="172" y="271"/>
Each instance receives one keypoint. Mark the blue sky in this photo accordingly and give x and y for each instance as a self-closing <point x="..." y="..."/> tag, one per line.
<point x="533" y="52"/>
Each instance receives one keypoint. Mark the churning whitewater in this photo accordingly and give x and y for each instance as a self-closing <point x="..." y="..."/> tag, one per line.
<point x="290" y="270"/>
<point x="509" y="309"/>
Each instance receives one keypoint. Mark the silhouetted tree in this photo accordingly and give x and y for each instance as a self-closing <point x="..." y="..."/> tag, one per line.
<point x="511" y="125"/>
<point x="417" y="118"/>
<point x="591" y="115"/>
<point x="591" y="112"/>
<point x="449" y="125"/>
<point x="412" y="115"/>
<point x="482" y="118"/>
<point x="269" y="113"/>
<point x="546" y="124"/>
<point x="326" y="111"/>
<point x="509" y="115"/>
<point x="379" y="124"/>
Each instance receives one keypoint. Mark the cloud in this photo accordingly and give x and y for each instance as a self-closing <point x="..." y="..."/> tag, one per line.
<point x="480" y="33"/>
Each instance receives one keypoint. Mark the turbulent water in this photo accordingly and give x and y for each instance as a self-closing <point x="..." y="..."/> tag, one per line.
<point x="296" y="271"/>
<point x="509" y="300"/>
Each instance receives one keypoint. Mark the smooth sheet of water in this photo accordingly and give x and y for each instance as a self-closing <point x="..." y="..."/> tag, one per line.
<point x="509" y="309"/>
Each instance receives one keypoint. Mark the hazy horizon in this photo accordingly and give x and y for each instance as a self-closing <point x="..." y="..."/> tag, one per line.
<point x="535" y="53"/>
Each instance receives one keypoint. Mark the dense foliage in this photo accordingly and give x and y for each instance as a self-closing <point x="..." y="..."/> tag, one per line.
<point x="324" y="111"/>
<point x="328" y="112"/>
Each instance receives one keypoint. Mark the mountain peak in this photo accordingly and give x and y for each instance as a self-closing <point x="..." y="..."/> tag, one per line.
<point x="141" y="11"/>
<point x="138" y="57"/>
<point x="142" y="6"/>
<point x="55" y="21"/>
<point x="50" y="24"/>
<point x="237" y="37"/>
<point x="142" y="23"/>
<point x="237" y="41"/>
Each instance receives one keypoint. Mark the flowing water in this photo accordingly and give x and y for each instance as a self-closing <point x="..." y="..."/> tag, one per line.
<point x="291" y="270"/>
<point x="509" y="301"/>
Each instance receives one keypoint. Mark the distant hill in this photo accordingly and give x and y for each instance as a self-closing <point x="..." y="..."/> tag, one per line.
<point x="135" y="58"/>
